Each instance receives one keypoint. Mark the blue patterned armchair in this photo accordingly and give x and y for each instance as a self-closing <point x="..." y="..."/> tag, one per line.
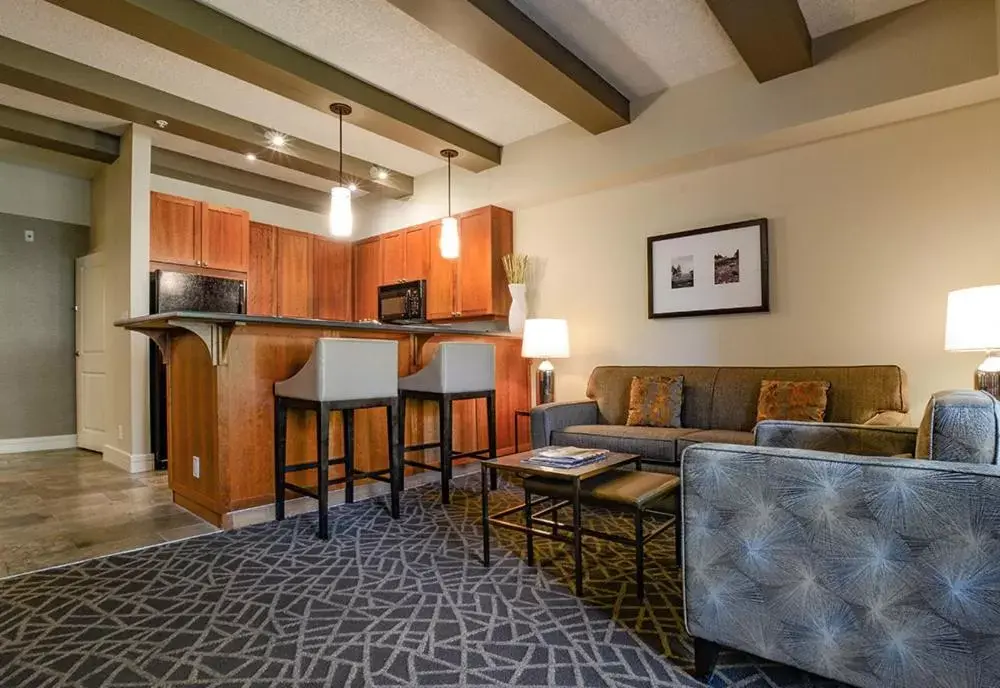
<point x="875" y="571"/>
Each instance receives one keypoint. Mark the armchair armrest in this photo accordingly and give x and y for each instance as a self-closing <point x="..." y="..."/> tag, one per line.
<point x="843" y="547"/>
<point x="547" y="418"/>
<point x="846" y="438"/>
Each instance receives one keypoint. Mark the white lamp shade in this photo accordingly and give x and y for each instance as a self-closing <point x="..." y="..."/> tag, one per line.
<point x="973" y="320"/>
<point x="341" y="217"/>
<point x="449" y="238"/>
<point x="545" y="338"/>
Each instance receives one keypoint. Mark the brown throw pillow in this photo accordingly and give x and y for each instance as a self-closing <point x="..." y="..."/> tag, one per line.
<point x="655" y="401"/>
<point x="784" y="400"/>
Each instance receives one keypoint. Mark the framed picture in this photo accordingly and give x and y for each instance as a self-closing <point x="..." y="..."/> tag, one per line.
<point x="708" y="271"/>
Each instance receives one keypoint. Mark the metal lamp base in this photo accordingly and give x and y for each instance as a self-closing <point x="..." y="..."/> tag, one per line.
<point x="546" y="392"/>
<point x="988" y="375"/>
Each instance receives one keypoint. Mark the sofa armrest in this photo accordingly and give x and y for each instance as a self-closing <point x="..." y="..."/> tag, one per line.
<point x="547" y="418"/>
<point x="853" y="548"/>
<point x="870" y="440"/>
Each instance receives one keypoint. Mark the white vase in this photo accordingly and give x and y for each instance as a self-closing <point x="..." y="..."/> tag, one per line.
<point x="518" y="308"/>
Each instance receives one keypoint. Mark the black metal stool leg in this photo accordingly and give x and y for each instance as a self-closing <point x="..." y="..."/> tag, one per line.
<point x="280" y="425"/>
<point x="323" y="470"/>
<point x="395" y="458"/>
<point x="349" y="456"/>
<point x="491" y="428"/>
<point x="529" y="533"/>
<point x="639" y="556"/>
<point x="444" y="428"/>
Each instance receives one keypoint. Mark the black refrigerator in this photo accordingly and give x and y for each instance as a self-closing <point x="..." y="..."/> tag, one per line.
<point x="171" y="292"/>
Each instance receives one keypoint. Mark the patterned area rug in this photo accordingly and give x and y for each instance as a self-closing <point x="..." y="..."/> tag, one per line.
<point x="383" y="603"/>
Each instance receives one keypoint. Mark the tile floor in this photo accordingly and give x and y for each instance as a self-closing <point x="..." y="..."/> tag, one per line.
<point x="62" y="506"/>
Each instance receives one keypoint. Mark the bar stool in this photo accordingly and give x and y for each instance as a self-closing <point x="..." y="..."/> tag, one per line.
<point x="340" y="375"/>
<point x="459" y="370"/>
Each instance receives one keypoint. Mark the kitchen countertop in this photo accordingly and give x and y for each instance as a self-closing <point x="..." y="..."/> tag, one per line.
<point x="162" y="321"/>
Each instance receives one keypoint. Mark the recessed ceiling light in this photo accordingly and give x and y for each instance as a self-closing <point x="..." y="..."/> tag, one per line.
<point x="251" y="157"/>
<point x="161" y="123"/>
<point x="276" y="139"/>
<point x="352" y="187"/>
<point x="379" y="173"/>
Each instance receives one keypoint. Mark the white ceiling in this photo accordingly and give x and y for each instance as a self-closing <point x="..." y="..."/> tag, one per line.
<point x="640" y="46"/>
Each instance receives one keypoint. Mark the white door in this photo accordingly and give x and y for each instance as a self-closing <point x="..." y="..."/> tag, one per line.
<point x="91" y="373"/>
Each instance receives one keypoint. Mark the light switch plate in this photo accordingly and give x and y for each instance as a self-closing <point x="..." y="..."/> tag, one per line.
<point x="196" y="466"/>
<point x="29" y="235"/>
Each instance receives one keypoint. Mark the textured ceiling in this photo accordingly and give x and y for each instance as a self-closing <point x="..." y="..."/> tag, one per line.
<point x="376" y="42"/>
<point x="825" y="16"/>
<point x="640" y="46"/>
<point x="64" y="33"/>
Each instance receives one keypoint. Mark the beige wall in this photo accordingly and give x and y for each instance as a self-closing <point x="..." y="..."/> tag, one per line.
<point x="120" y="230"/>
<point x="869" y="233"/>
<point x="38" y="193"/>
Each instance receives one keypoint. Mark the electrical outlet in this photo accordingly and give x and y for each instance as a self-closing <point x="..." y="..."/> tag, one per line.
<point x="196" y="466"/>
<point x="121" y="432"/>
<point x="29" y="235"/>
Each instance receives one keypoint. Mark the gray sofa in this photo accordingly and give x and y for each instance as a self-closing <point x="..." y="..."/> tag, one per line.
<point x="875" y="571"/>
<point x="719" y="405"/>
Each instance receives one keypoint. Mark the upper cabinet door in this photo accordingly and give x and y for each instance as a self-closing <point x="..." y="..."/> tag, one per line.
<point x="174" y="230"/>
<point x="225" y="238"/>
<point x="416" y="252"/>
<point x="261" y="271"/>
<point x="393" y="250"/>
<point x="367" y="278"/>
<point x="332" y="299"/>
<point x="440" y="280"/>
<point x="295" y="274"/>
<point x="475" y="264"/>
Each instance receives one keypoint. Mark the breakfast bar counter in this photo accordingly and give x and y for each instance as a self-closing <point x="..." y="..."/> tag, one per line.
<point x="221" y="369"/>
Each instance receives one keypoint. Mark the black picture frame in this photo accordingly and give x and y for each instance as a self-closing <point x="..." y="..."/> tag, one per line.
<point x="765" y="297"/>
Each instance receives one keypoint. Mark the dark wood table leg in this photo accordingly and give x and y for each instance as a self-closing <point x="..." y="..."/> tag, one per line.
<point x="529" y="536"/>
<point x="486" y="515"/>
<point x="577" y="539"/>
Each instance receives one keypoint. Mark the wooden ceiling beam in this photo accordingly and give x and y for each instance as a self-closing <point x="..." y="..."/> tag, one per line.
<point x="31" y="69"/>
<point x="770" y="35"/>
<point x="55" y="135"/>
<point x="504" y="39"/>
<point x="216" y="40"/>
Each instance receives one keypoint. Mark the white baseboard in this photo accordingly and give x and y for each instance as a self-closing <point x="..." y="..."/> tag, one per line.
<point x="130" y="463"/>
<point x="30" y="444"/>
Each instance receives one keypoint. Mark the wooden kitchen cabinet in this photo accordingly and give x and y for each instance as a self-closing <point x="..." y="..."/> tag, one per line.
<point x="183" y="231"/>
<point x="367" y="277"/>
<point x="174" y="229"/>
<point x="416" y="252"/>
<point x="262" y="271"/>
<point x="225" y="238"/>
<point x="393" y="252"/>
<point x="474" y="285"/>
<point x="332" y="280"/>
<point x="294" y="268"/>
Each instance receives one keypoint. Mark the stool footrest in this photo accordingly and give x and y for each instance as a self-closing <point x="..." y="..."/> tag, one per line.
<point x="478" y="454"/>
<point x="311" y="466"/>
<point x="300" y="490"/>
<point x="421" y="447"/>
<point x="420" y="464"/>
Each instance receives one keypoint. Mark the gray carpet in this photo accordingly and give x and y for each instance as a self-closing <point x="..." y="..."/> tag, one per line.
<point x="383" y="603"/>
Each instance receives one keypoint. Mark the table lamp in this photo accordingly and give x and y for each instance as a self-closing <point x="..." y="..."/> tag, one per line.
<point x="545" y="338"/>
<point x="973" y="324"/>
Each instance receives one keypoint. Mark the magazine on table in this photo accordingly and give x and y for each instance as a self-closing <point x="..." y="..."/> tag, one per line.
<point x="564" y="457"/>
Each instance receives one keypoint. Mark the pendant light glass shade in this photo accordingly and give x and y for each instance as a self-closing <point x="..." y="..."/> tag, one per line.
<point x="449" y="238"/>
<point x="449" y="225"/>
<point x="341" y="217"/>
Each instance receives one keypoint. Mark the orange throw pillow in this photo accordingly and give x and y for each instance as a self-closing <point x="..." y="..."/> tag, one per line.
<point x="784" y="400"/>
<point x="655" y="401"/>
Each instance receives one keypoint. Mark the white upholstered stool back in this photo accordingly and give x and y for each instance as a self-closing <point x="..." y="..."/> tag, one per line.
<point x="457" y="367"/>
<point x="345" y="369"/>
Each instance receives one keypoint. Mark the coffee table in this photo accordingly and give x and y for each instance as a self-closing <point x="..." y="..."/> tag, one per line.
<point x="513" y="463"/>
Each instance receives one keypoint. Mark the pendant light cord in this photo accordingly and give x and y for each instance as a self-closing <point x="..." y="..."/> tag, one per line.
<point x="449" y="187"/>
<point x="340" y="134"/>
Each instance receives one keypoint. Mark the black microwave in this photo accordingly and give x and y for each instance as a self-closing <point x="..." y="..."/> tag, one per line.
<point x="403" y="302"/>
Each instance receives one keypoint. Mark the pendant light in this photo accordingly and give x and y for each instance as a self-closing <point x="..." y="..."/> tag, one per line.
<point x="341" y="218"/>
<point x="449" y="225"/>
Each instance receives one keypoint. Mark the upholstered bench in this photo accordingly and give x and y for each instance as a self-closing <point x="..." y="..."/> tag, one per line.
<point x="640" y="493"/>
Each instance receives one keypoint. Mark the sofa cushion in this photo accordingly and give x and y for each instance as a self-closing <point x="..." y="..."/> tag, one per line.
<point x="785" y="400"/>
<point x="635" y="489"/>
<point x="652" y="443"/>
<point x="718" y="436"/>
<point x="655" y="402"/>
<point x="609" y="386"/>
